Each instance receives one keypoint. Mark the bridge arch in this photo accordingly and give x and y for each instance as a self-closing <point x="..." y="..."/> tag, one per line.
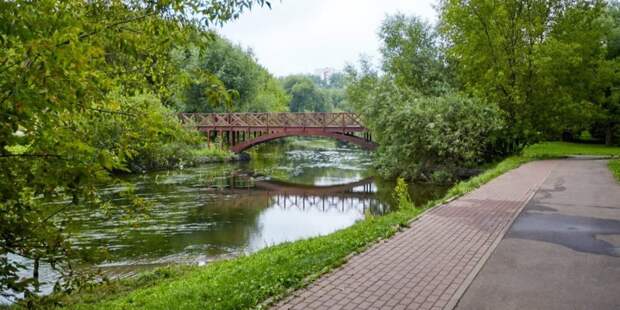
<point x="361" y="142"/>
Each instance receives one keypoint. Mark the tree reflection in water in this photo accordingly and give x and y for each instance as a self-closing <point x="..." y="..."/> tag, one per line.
<point x="222" y="210"/>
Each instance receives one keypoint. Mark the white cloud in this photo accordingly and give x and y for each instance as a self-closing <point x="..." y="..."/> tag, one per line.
<point x="299" y="36"/>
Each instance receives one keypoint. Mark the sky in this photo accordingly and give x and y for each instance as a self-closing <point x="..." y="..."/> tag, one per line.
<point x="300" y="36"/>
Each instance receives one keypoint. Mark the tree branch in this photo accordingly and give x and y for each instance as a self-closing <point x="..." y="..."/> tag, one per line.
<point x="31" y="155"/>
<point x="111" y="112"/>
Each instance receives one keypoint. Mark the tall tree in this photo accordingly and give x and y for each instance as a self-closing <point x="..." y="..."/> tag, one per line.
<point x="305" y="95"/>
<point x="608" y="118"/>
<point x="250" y="87"/>
<point x="412" y="55"/>
<point x="537" y="59"/>
<point x="65" y="68"/>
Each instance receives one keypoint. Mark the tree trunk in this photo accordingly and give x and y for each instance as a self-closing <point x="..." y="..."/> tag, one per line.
<point x="608" y="134"/>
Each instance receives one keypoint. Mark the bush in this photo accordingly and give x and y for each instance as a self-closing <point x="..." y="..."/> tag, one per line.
<point x="154" y="136"/>
<point x="419" y="136"/>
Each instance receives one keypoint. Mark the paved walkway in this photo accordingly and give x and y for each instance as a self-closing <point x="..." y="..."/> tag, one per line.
<point x="562" y="252"/>
<point x="431" y="264"/>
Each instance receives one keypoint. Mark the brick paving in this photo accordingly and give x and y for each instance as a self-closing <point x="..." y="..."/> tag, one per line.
<point x="430" y="264"/>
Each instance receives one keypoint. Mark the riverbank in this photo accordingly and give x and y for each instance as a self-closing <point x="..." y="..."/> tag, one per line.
<point x="272" y="272"/>
<point x="215" y="153"/>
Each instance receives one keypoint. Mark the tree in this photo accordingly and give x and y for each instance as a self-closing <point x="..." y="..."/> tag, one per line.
<point x="537" y="59"/>
<point x="305" y="95"/>
<point x="250" y="87"/>
<point x="424" y="137"/>
<point x="608" y="116"/>
<point x="412" y="55"/>
<point x="67" y="68"/>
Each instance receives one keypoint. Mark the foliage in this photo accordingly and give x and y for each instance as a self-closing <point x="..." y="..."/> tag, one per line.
<point x="250" y="87"/>
<point x="213" y="151"/>
<point x="76" y="79"/>
<point x="614" y="166"/>
<point x="412" y="55"/>
<point x="539" y="60"/>
<point x="161" y="143"/>
<point x="607" y="118"/>
<point x="401" y="194"/>
<point x="423" y="128"/>
<point x="419" y="136"/>
<point x="313" y="93"/>
<point x="304" y="93"/>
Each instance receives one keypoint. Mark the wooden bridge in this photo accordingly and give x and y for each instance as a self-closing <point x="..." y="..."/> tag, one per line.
<point x="243" y="130"/>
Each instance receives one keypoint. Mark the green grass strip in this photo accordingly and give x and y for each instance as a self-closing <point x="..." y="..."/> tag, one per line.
<point x="560" y="149"/>
<point x="614" y="166"/>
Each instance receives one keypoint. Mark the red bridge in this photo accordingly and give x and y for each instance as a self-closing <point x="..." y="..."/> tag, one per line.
<point x="244" y="130"/>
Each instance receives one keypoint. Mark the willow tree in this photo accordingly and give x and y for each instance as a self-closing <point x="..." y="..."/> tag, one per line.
<point x="67" y="68"/>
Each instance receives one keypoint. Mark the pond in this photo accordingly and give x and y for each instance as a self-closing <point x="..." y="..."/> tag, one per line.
<point x="290" y="190"/>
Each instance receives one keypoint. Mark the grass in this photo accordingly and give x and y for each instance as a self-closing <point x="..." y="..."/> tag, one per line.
<point x="214" y="152"/>
<point x="250" y="281"/>
<point x="560" y="149"/>
<point x="614" y="166"/>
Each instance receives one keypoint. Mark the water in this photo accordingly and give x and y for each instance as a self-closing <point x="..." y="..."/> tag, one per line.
<point x="288" y="191"/>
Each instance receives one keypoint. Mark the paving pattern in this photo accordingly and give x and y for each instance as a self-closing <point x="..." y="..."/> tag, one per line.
<point x="562" y="252"/>
<point x="430" y="264"/>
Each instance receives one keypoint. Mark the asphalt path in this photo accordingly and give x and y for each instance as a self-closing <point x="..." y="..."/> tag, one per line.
<point x="562" y="251"/>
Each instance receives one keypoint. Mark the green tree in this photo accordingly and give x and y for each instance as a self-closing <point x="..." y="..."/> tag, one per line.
<point x="67" y="68"/>
<point x="608" y="116"/>
<point x="412" y="55"/>
<point x="537" y="59"/>
<point x="250" y="87"/>
<point x="424" y="137"/>
<point x="305" y="95"/>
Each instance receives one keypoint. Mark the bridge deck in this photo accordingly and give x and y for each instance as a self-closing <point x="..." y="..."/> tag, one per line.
<point x="244" y="130"/>
<point x="243" y="121"/>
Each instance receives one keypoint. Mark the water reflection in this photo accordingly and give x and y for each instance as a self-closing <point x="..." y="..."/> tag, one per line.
<point x="205" y="219"/>
<point x="288" y="191"/>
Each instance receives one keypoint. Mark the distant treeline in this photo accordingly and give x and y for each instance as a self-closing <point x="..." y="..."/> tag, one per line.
<point x="249" y="87"/>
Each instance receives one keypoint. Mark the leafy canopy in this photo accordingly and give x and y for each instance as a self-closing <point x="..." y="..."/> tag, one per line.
<point x="82" y="85"/>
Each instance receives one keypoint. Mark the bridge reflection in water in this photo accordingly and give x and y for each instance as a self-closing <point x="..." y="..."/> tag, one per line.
<point x="359" y="195"/>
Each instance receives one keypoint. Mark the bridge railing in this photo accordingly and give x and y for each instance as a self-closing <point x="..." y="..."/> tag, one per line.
<point x="273" y="120"/>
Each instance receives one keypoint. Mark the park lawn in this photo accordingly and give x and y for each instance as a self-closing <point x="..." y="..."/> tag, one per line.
<point x="560" y="149"/>
<point x="254" y="280"/>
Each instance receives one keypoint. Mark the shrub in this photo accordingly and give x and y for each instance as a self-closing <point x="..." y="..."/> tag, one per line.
<point x="419" y="135"/>
<point x="401" y="195"/>
<point x="154" y="136"/>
